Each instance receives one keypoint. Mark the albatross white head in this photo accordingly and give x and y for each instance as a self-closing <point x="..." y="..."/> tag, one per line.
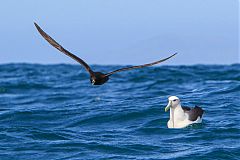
<point x="178" y="119"/>
<point x="173" y="102"/>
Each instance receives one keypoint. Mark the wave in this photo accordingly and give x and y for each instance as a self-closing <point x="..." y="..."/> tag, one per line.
<point x="53" y="112"/>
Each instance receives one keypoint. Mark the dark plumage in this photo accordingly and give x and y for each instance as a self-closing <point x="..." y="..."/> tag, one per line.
<point x="96" y="78"/>
<point x="193" y="113"/>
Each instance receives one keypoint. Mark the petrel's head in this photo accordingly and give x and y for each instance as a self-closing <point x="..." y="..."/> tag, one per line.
<point x="173" y="102"/>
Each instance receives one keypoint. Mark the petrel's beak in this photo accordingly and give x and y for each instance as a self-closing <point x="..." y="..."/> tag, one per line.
<point x="168" y="106"/>
<point x="93" y="81"/>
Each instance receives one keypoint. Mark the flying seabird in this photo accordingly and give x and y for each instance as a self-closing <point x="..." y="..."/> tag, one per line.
<point x="181" y="117"/>
<point x="96" y="78"/>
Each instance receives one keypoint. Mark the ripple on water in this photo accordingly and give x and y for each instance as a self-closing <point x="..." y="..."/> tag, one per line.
<point x="53" y="112"/>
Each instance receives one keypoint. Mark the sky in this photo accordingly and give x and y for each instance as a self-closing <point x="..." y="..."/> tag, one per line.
<point x="121" y="31"/>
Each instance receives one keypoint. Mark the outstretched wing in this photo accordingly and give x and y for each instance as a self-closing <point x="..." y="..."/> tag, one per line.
<point x="63" y="50"/>
<point x="140" y="66"/>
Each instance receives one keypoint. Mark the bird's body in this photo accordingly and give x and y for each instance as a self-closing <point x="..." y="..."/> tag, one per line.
<point x="96" y="78"/>
<point x="100" y="78"/>
<point x="181" y="117"/>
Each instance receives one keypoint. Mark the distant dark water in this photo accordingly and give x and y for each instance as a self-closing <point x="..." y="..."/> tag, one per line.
<point x="53" y="112"/>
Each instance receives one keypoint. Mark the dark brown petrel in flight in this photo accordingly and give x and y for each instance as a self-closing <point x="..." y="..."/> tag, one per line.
<point x="96" y="78"/>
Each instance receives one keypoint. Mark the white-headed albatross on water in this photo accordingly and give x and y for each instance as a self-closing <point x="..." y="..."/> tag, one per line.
<point x="181" y="117"/>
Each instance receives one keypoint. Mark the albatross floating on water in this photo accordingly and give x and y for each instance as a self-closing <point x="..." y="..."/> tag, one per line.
<point x="96" y="78"/>
<point x="181" y="117"/>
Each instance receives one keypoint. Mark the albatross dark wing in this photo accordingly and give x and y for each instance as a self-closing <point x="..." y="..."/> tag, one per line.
<point x="63" y="50"/>
<point x="186" y="108"/>
<point x="193" y="113"/>
<point x="140" y="66"/>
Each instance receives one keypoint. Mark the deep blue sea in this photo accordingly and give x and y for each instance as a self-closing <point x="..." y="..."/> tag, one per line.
<point x="52" y="112"/>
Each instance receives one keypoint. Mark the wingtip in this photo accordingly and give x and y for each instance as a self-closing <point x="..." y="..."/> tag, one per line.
<point x="172" y="55"/>
<point x="36" y="25"/>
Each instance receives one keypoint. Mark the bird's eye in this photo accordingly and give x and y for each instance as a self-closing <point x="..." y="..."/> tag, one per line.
<point x="174" y="100"/>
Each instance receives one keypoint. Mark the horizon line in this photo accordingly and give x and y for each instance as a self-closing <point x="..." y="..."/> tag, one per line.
<point x="33" y="63"/>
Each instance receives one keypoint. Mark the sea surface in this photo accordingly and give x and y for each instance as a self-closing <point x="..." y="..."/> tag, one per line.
<point x="52" y="112"/>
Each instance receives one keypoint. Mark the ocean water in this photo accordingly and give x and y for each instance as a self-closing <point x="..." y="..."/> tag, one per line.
<point x="53" y="112"/>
